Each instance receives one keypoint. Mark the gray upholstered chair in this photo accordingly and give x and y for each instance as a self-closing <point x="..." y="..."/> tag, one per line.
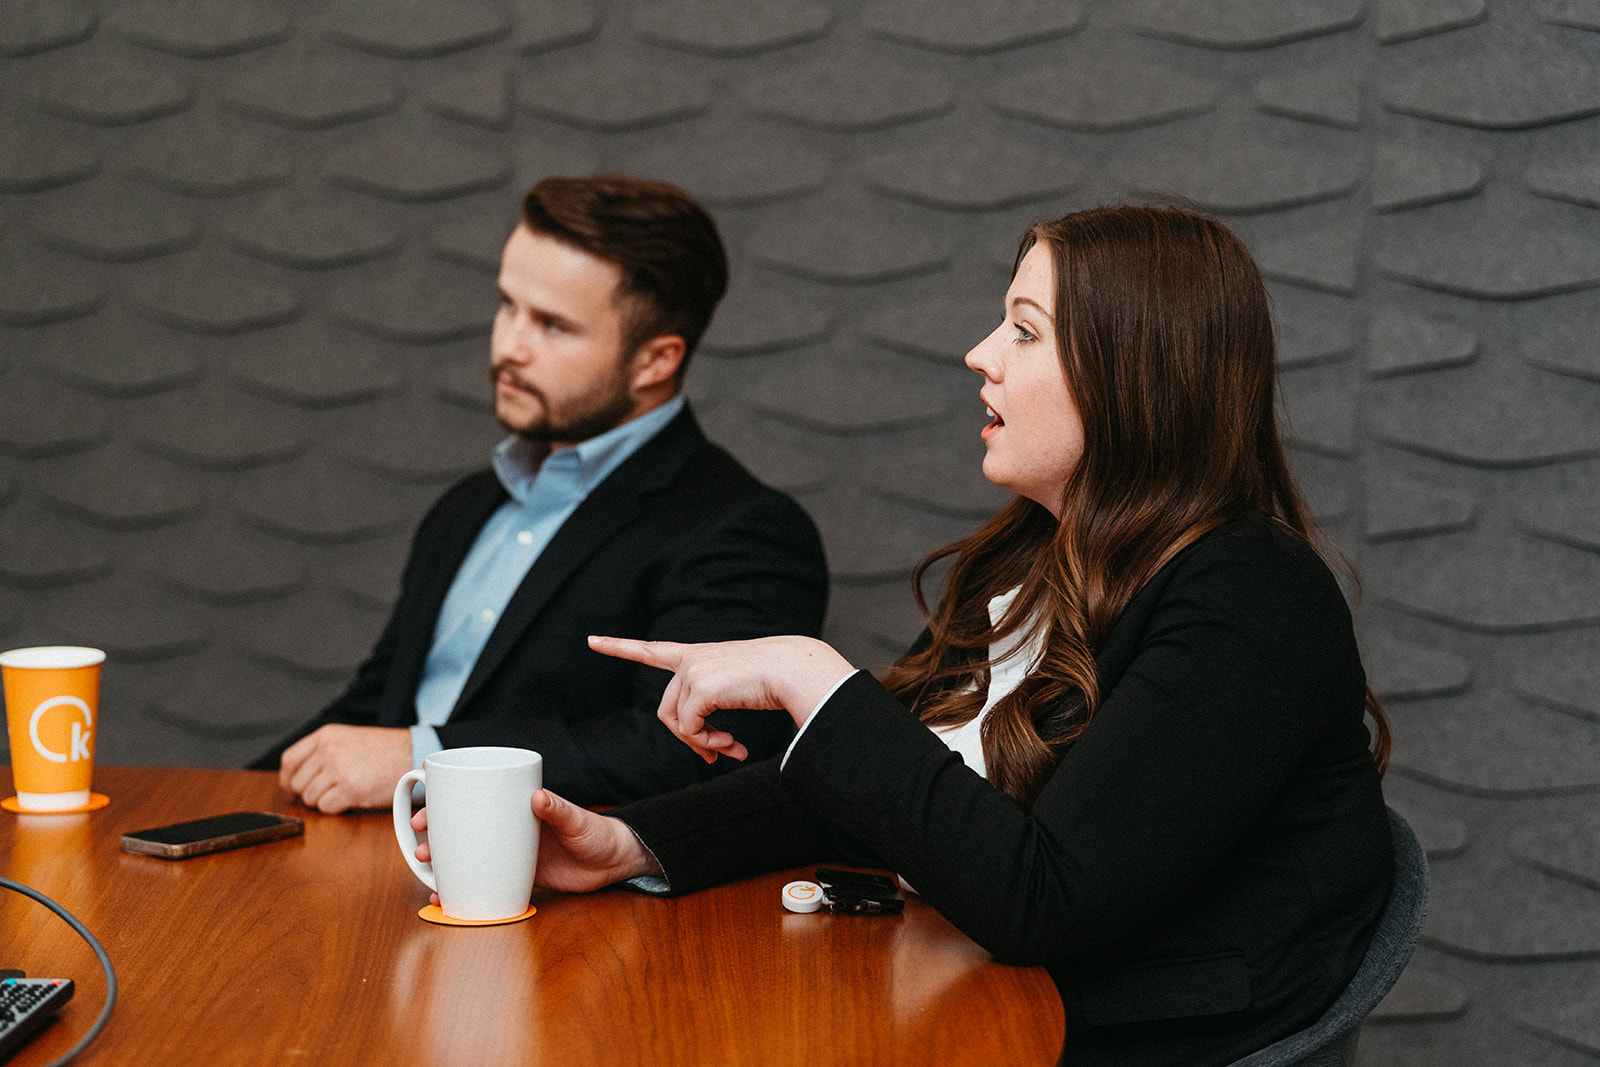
<point x="1331" y="1040"/>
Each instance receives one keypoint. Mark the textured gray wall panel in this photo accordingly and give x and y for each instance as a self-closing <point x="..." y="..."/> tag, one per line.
<point x="247" y="252"/>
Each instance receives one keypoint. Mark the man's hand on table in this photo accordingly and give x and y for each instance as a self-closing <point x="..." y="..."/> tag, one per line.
<point x="338" y="767"/>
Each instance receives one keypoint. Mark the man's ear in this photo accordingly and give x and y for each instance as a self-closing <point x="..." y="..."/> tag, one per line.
<point x="657" y="361"/>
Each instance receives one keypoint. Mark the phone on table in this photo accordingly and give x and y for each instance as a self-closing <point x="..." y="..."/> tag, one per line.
<point x="215" y="834"/>
<point x="854" y="892"/>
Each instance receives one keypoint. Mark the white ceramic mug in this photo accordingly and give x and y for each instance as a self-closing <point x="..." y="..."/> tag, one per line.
<point x="481" y="829"/>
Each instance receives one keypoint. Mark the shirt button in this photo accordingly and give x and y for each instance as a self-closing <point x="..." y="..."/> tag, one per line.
<point x="487" y="615"/>
<point x="525" y="537"/>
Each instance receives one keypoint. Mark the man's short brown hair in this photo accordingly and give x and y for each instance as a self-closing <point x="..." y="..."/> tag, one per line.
<point x="674" y="268"/>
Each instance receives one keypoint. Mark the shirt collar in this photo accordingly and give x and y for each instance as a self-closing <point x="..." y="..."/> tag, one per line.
<point x="517" y="460"/>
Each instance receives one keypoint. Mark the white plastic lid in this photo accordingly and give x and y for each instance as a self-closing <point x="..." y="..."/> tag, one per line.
<point x="802" y="897"/>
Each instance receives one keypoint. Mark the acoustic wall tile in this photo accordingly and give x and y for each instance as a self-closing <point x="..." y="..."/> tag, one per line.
<point x="1579" y="14"/>
<point x="109" y="89"/>
<point x="415" y="29"/>
<point x="1576" y="179"/>
<point x="1504" y="424"/>
<point x="310" y="92"/>
<point x="40" y="25"/>
<point x="465" y="383"/>
<point x="208" y="155"/>
<point x="941" y="330"/>
<point x="1404" y="670"/>
<point x="1562" y="673"/>
<point x="609" y="91"/>
<point x="479" y="97"/>
<point x="730" y="27"/>
<point x="209" y="292"/>
<point x="408" y="164"/>
<point x="116" y="354"/>
<point x="1244" y="24"/>
<point x="121" y="489"/>
<point x="474" y="239"/>
<point x="1401" y="343"/>
<point x="220" y="561"/>
<point x="116" y="223"/>
<point x="1326" y="483"/>
<point x="129" y="618"/>
<point x="313" y="635"/>
<point x="314" y="232"/>
<point x="313" y="364"/>
<point x="224" y="697"/>
<point x="968" y="172"/>
<point x="39" y="287"/>
<point x="318" y="502"/>
<point x="218" y="429"/>
<point x="369" y="572"/>
<point x="1402" y="20"/>
<point x="1570" y="518"/>
<point x="40" y="418"/>
<point x="849" y="89"/>
<point x="422" y="441"/>
<point x="1245" y="165"/>
<point x="1420" y="996"/>
<point x="1500" y="257"/>
<point x="201" y="29"/>
<point x="1559" y="338"/>
<point x="937" y="469"/>
<point x="36" y="154"/>
<point x="884" y="392"/>
<point x="755" y="318"/>
<point x="1438" y="834"/>
<point x="1329" y="94"/>
<point x="1405" y="176"/>
<point x="45" y="550"/>
<point x="421" y="304"/>
<point x="733" y="165"/>
<point x="1321" y="414"/>
<point x="779" y="455"/>
<point x="870" y="539"/>
<point x="1325" y="258"/>
<point x="1493" y="744"/>
<point x="1511" y="914"/>
<point x="1518" y="585"/>
<point x="1572" y="1024"/>
<point x="1312" y="328"/>
<point x="1518" y="81"/>
<point x="1401" y="506"/>
<point x="971" y="29"/>
<point x="1101" y="92"/>
<point x="545" y="24"/>
<point x="1569" y="850"/>
<point x="846" y="240"/>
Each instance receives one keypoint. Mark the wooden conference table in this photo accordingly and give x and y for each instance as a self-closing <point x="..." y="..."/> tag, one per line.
<point x="309" y="950"/>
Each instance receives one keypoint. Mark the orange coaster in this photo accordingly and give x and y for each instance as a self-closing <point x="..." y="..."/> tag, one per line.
<point x="96" y="802"/>
<point x="433" y="914"/>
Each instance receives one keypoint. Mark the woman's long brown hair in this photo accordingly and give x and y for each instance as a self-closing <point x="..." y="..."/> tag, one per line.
<point x="1165" y="334"/>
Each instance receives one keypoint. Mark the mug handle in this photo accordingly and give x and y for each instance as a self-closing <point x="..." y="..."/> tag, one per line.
<point x="402" y="826"/>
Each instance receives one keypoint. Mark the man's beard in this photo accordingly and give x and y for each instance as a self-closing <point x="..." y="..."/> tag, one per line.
<point x="590" y="415"/>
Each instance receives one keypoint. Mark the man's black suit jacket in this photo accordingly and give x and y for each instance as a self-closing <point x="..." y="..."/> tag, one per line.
<point x="679" y="543"/>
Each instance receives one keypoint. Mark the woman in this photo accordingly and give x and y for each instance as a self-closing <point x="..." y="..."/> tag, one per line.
<point x="1147" y="767"/>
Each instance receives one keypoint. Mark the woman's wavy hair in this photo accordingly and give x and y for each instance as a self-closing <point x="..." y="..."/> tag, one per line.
<point x="1165" y="333"/>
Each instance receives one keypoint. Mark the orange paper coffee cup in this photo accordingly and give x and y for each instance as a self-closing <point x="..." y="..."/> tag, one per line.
<point x="52" y="699"/>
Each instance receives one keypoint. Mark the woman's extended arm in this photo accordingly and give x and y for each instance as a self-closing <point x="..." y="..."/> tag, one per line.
<point x="790" y="674"/>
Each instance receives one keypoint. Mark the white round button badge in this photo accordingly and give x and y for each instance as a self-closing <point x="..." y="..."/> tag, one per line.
<point x="802" y="897"/>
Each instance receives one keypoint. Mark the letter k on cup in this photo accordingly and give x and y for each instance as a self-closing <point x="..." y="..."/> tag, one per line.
<point x="52" y="697"/>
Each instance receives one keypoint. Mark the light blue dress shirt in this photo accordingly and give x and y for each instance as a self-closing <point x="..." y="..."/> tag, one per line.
<point x="545" y="491"/>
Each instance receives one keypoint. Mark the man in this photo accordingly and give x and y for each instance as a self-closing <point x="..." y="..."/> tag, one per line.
<point x="606" y="512"/>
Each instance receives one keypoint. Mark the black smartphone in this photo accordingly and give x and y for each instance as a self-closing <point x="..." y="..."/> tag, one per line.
<point x="854" y="892"/>
<point x="234" y="830"/>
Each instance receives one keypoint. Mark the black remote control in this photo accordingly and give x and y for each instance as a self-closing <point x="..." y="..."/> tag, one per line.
<point x="26" y="1004"/>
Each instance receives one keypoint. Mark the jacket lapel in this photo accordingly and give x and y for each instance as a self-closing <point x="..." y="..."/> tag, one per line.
<point x="612" y="505"/>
